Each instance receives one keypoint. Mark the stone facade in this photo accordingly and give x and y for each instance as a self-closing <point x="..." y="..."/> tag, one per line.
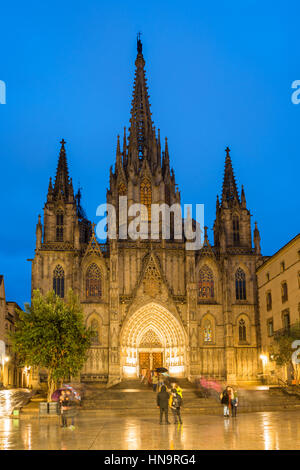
<point x="10" y="374"/>
<point x="153" y="302"/>
<point x="278" y="281"/>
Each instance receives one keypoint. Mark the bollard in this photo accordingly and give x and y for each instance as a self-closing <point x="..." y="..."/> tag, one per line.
<point x="52" y="408"/>
<point x="43" y="408"/>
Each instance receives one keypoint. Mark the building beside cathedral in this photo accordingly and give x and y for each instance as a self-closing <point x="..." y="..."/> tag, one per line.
<point x="278" y="280"/>
<point x="152" y="302"/>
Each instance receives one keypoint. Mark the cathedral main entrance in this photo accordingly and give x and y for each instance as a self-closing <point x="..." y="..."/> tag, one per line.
<point x="150" y="360"/>
<point x="152" y="337"/>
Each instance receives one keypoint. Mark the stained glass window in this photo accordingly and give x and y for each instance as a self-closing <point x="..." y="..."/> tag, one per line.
<point x="59" y="281"/>
<point x="240" y="284"/>
<point x="93" y="281"/>
<point x="206" y="283"/>
<point x="207" y="332"/>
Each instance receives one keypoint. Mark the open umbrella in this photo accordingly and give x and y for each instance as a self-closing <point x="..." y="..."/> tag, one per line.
<point x="56" y="395"/>
<point x="161" y="369"/>
<point x="77" y="395"/>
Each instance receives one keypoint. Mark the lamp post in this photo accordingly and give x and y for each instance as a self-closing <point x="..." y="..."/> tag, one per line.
<point x="5" y="359"/>
<point x="264" y="360"/>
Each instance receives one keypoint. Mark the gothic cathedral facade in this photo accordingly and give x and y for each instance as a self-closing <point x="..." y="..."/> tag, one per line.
<point x="152" y="302"/>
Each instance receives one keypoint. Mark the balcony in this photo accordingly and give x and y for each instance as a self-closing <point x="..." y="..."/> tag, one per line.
<point x="285" y="331"/>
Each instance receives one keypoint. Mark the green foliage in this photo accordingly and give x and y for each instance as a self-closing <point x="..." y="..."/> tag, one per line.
<point x="51" y="334"/>
<point x="282" y="346"/>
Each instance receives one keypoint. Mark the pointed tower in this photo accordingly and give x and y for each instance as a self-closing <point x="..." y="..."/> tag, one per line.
<point x="141" y="131"/>
<point x="230" y="195"/>
<point x="256" y="237"/>
<point x="140" y="173"/>
<point x="62" y="183"/>
<point x="232" y="228"/>
<point x="62" y="211"/>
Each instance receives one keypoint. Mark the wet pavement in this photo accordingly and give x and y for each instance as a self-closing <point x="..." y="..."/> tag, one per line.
<point x="249" y="431"/>
<point x="14" y="398"/>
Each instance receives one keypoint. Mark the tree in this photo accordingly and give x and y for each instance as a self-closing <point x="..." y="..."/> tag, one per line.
<point x="282" y="349"/>
<point x="51" y="334"/>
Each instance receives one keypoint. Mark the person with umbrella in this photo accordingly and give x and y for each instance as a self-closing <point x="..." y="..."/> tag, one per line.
<point x="68" y="408"/>
<point x="155" y="381"/>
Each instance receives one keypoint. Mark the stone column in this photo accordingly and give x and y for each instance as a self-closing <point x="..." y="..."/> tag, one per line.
<point x="114" y="317"/>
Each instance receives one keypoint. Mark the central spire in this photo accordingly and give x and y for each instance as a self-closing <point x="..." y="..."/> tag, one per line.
<point x="142" y="139"/>
<point x="230" y="192"/>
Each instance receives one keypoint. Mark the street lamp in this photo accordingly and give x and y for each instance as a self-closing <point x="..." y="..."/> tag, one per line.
<point x="5" y="359"/>
<point x="264" y="359"/>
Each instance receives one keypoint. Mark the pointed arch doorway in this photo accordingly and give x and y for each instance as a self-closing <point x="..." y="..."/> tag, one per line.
<point x="152" y="337"/>
<point x="150" y="351"/>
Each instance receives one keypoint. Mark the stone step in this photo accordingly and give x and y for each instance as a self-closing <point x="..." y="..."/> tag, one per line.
<point x="136" y="397"/>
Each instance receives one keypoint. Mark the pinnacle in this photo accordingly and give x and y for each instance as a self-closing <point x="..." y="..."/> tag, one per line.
<point x="61" y="185"/>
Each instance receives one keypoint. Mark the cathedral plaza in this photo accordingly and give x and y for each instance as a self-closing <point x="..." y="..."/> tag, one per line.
<point x="98" y="431"/>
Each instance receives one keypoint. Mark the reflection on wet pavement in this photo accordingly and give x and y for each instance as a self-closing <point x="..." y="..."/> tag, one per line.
<point x="249" y="431"/>
<point x="11" y="399"/>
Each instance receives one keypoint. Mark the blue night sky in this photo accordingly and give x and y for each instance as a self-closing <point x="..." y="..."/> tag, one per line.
<point x="219" y="73"/>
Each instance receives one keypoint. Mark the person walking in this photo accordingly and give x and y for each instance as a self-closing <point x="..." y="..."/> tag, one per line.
<point x="234" y="404"/>
<point x="175" y="386"/>
<point x="175" y="402"/>
<point x="68" y="409"/>
<point x="63" y="417"/>
<point x="154" y="382"/>
<point x="163" y="403"/>
<point x="224" y="397"/>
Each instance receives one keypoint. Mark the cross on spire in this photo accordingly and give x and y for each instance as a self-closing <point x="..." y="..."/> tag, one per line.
<point x="139" y="43"/>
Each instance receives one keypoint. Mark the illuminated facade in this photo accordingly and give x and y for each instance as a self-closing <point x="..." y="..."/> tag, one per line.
<point x="278" y="281"/>
<point x="10" y="374"/>
<point x="153" y="302"/>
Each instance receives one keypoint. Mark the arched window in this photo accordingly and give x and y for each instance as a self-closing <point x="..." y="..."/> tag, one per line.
<point x="236" y="229"/>
<point x="93" y="281"/>
<point x="242" y="330"/>
<point x="59" y="281"/>
<point x="146" y="198"/>
<point x="207" y="331"/>
<point x="240" y="284"/>
<point x="95" y="328"/>
<point x="206" y="283"/>
<point x="59" y="226"/>
<point x="284" y="292"/>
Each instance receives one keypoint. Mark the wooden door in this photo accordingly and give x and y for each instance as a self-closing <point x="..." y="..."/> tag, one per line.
<point x="157" y="359"/>
<point x="144" y="360"/>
